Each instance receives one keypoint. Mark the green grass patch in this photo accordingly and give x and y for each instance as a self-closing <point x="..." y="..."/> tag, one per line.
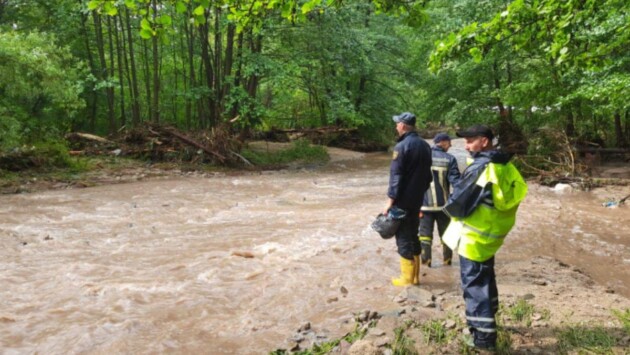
<point x="624" y="318"/>
<point x="300" y="151"/>
<point x="434" y="331"/>
<point x="594" y="339"/>
<point x="504" y="341"/>
<point x="402" y="344"/>
<point x="521" y="311"/>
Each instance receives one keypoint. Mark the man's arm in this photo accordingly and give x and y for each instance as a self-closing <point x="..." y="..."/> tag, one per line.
<point x="395" y="175"/>
<point x="453" y="171"/>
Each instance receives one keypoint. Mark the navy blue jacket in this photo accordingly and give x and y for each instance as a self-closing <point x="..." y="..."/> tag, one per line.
<point x="410" y="172"/>
<point x="445" y="174"/>
<point x="467" y="195"/>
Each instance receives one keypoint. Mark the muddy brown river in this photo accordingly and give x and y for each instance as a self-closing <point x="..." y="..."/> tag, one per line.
<point x="235" y="264"/>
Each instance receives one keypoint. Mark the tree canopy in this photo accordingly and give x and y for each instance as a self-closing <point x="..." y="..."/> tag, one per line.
<point x="252" y="65"/>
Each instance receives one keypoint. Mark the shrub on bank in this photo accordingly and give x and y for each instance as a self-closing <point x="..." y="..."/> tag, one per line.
<point x="41" y="156"/>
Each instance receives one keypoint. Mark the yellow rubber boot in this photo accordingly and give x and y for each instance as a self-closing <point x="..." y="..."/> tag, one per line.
<point x="407" y="270"/>
<point x="416" y="269"/>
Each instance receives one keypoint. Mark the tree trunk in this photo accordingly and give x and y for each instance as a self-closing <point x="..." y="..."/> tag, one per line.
<point x="103" y="72"/>
<point x="239" y="71"/>
<point x="209" y="72"/>
<point x="155" y="105"/>
<point x="119" y="54"/>
<point x="189" y="32"/>
<point x="218" y="65"/>
<point x="111" y="99"/>
<point x="92" y="98"/>
<point x="229" y="60"/>
<point x="570" y="124"/>
<point x="146" y="69"/>
<point x="619" y="137"/>
<point x="511" y="137"/>
<point x="135" y="93"/>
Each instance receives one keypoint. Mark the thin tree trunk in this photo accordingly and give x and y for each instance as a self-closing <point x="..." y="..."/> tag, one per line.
<point x="155" y="116"/>
<point x="92" y="98"/>
<point x="147" y="78"/>
<point x="103" y="72"/>
<point x="627" y="125"/>
<point x="111" y="98"/>
<point x="239" y="71"/>
<point x="363" y="79"/>
<point x="209" y="71"/>
<point x="229" y="60"/>
<point x="176" y="55"/>
<point x="119" y="54"/>
<point x="218" y="64"/>
<point x="189" y="32"/>
<point x="619" y="137"/>
<point x="570" y="126"/>
<point x="135" y="93"/>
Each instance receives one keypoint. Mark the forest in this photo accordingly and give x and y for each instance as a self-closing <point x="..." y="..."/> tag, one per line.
<point x="546" y="74"/>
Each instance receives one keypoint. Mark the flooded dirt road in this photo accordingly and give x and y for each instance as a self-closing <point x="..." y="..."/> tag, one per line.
<point x="235" y="264"/>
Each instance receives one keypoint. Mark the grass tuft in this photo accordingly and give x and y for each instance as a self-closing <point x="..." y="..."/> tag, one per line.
<point x="521" y="311"/>
<point x="624" y="318"/>
<point x="402" y="344"/>
<point x="434" y="331"/>
<point x="594" y="339"/>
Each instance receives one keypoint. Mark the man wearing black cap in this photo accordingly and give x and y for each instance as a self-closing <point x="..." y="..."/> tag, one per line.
<point x="483" y="210"/>
<point x="409" y="178"/>
<point x="445" y="174"/>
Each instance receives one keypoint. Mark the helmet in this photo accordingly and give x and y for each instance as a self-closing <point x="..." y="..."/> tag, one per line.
<point x="387" y="225"/>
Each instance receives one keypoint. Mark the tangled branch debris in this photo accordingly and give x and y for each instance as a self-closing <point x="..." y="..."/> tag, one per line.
<point x="162" y="143"/>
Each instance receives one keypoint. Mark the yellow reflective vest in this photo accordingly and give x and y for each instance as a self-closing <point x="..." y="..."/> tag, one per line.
<point x="479" y="235"/>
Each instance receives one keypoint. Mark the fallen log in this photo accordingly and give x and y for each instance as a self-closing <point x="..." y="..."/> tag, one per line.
<point x="87" y="136"/>
<point x="191" y="142"/>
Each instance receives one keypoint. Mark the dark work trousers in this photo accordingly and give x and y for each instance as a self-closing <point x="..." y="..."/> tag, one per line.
<point x="482" y="300"/>
<point x="425" y="233"/>
<point x="406" y="237"/>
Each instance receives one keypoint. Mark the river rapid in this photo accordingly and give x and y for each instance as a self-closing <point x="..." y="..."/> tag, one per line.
<point x="236" y="263"/>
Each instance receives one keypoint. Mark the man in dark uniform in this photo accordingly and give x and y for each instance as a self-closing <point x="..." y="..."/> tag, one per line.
<point x="409" y="178"/>
<point x="445" y="174"/>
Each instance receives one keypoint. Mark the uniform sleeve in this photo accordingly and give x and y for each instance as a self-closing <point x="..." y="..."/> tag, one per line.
<point x="453" y="172"/>
<point x="467" y="194"/>
<point x="395" y="173"/>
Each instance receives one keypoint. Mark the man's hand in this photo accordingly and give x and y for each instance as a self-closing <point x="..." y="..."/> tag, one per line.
<point x="389" y="205"/>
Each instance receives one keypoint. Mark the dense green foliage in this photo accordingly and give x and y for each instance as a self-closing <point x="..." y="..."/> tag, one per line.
<point x="40" y="87"/>
<point x="102" y="65"/>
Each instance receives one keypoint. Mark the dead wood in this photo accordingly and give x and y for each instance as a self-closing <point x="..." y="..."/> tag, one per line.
<point x="191" y="142"/>
<point x="86" y="136"/>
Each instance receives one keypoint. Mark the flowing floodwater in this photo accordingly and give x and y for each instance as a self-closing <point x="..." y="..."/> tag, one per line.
<point x="235" y="264"/>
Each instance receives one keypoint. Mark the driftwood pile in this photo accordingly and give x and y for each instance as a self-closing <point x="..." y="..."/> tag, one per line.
<point x="161" y="143"/>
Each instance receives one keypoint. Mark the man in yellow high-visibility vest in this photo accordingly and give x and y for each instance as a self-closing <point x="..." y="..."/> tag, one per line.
<point x="483" y="210"/>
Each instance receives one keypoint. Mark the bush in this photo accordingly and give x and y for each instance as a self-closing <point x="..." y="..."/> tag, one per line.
<point x="41" y="156"/>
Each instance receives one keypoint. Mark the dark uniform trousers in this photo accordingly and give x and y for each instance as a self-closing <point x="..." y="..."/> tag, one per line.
<point x="406" y="237"/>
<point x="428" y="220"/>
<point x="482" y="300"/>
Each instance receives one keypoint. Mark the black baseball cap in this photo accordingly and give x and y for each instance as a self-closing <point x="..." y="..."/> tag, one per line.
<point x="477" y="130"/>
<point x="406" y="118"/>
<point x="441" y="137"/>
